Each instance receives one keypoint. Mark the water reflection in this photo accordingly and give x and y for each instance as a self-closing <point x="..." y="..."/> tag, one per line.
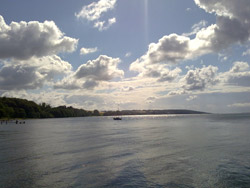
<point x="161" y="151"/>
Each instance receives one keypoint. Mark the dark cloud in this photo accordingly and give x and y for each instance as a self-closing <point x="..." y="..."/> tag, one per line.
<point x="19" y="77"/>
<point x="31" y="74"/>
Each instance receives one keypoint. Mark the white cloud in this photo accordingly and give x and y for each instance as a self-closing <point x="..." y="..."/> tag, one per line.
<point x="84" y="51"/>
<point x="69" y="83"/>
<point x="24" y="40"/>
<point x="241" y="105"/>
<point x="247" y="52"/>
<point x="238" y="75"/>
<point x="197" y="27"/>
<point x="111" y="21"/>
<point x="169" y="50"/>
<point x="102" y="25"/>
<point x="160" y="72"/>
<point x="127" y="89"/>
<point x="232" y="27"/>
<point x="200" y="78"/>
<point x="169" y="75"/>
<point x="89" y="75"/>
<point x="103" y="68"/>
<point x="177" y="92"/>
<point x="173" y="48"/>
<point x="222" y="57"/>
<point x="239" y="66"/>
<point x="32" y="73"/>
<point x="128" y="54"/>
<point x="191" y="97"/>
<point x="94" y="11"/>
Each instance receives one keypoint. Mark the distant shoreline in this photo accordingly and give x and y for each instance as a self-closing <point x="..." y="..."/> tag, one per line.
<point x="16" y="108"/>
<point x="152" y="112"/>
<point x="124" y="113"/>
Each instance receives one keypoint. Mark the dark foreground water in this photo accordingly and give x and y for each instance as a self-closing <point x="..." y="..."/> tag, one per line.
<point x="139" y="151"/>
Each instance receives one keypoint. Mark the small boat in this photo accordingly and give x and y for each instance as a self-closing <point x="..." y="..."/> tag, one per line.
<point x="117" y="118"/>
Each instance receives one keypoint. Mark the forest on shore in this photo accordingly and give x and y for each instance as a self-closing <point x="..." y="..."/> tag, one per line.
<point x="22" y="108"/>
<point x="11" y="108"/>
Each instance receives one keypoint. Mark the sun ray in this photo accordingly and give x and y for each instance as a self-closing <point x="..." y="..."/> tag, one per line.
<point x="146" y="20"/>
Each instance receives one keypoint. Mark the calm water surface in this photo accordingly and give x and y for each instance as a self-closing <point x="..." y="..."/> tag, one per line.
<point x="139" y="151"/>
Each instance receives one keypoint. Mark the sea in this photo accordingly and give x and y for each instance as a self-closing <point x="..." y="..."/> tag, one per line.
<point x="183" y="151"/>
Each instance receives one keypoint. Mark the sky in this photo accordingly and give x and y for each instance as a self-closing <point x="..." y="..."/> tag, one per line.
<point x="135" y="54"/>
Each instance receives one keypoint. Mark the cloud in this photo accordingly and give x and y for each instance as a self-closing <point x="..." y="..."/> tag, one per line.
<point x="196" y="80"/>
<point x="161" y="73"/>
<point x="232" y="27"/>
<point x="151" y="99"/>
<point x="128" y="54"/>
<point x="169" y="75"/>
<point x="102" y="25"/>
<point x="241" y="105"/>
<point x="69" y="83"/>
<point x="127" y="89"/>
<point x="24" y="40"/>
<point x="247" y="52"/>
<point x="89" y="75"/>
<point x="32" y="73"/>
<point x="222" y="57"/>
<point x="200" y="78"/>
<point x="177" y="92"/>
<point x="78" y="100"/>
<point x="238" y="75"/>
<point x="84" y="100"/>
<point x="85" y="51"/>
<point x="169" y="50"/>
<point x="191" y="97"/>
<point x="197" y="27"/>
<point x="103" y="68"/>
<point x="226" y="8"/>
<point x="94" y="11"/>
<point x="233" y="23"/>
<point x="239" y="66"/>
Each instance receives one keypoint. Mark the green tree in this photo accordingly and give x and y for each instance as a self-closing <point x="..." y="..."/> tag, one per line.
<point x="96" y="113"/>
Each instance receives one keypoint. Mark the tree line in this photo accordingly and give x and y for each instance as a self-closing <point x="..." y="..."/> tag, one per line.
<point x="22" y="108"/>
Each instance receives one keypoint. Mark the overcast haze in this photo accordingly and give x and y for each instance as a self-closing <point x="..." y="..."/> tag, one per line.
<point x="140" y="54"/>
